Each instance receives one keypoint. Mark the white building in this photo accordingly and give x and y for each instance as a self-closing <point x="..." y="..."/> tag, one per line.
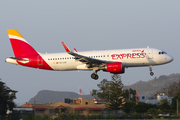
<point x="163" y="96"/>
<point x="142" y="97"/>
<point x="151" y="101"/>
<point x="159" y="97"/>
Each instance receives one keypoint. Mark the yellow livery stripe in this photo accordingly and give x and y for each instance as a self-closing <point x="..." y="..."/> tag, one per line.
<point x="14" y="32"/>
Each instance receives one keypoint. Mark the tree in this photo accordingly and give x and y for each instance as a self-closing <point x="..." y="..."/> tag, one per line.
<point x="141" y="107"/>
<point x="111" y="92"/>
<point x="172" y="89"/>
<point x="103" y="88"/>
<point x="164" y="104"/>
<point x="128" y="106"/>
<point x="154" y="112"/>
<point x="6" y="98"/>
<point x="174" y="101"/>
<point x="94" y="94"/>
<point x="132" y="94"/>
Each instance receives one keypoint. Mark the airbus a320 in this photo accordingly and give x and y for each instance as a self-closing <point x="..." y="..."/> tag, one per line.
<point x="113" y="61"/>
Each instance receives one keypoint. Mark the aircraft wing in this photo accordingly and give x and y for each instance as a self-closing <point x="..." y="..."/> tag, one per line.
<point x="92" y="62"/>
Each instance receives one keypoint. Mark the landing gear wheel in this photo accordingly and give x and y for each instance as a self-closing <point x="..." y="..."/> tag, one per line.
<point x="151" y="73"/>
<point x="150" y="68"/>
<point x="94" y="76"/>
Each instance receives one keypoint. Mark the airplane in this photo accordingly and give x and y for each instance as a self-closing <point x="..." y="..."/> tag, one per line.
<point x="113" y="61"/>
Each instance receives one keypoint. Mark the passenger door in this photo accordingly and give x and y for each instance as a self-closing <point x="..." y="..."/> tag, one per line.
<point x="150" y="54"/>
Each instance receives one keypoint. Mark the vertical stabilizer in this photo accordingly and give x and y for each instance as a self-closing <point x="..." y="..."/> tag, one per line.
<point x="19" y="45"/>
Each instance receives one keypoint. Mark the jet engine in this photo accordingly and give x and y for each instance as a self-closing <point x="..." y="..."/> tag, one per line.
<point x="115" y="68"/>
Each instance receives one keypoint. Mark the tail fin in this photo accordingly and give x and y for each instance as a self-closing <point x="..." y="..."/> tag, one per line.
<point x="20" y="46"/>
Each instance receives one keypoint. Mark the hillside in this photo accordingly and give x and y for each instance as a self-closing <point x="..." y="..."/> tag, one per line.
<point x="46" y="96"/>
<point x="152" y="86"/>
<point x="149" y="88"/>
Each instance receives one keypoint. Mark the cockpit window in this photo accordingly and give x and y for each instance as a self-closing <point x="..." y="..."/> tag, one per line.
<point x="162" y="53"/>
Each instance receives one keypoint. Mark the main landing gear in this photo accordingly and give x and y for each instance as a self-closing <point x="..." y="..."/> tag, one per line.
<point x="150" y="68"/>
<point x="94" y="76"/>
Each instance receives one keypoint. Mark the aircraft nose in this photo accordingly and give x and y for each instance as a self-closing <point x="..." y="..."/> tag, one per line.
<point x="170" y="58"/>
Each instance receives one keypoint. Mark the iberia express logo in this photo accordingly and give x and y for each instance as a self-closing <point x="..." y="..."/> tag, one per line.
<point x="135" y="54"/>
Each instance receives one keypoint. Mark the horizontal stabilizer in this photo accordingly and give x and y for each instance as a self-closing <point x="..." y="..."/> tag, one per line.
<point x="18" y="59"/>
<point x="14" y="60"/>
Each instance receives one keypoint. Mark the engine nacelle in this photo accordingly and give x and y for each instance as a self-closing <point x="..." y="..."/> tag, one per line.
<point x="115" y="68"/>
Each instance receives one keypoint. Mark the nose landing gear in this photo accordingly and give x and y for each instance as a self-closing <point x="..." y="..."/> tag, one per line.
<point x="150" y="68"/>
<point x="151" y="73"/>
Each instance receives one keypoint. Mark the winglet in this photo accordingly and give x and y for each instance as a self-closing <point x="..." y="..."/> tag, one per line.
<point x="66" y="48"/>
<point x="75" y="50"/>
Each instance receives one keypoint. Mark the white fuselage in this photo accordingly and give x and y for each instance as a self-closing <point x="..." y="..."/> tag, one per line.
<point x="129" y="57"/>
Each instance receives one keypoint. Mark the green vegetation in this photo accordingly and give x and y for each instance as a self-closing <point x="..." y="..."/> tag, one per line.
<point x="6" y="98"/>
<point x="128" y="106"/>
<point x="64" y="116"/>
<point x="129" y="94"/>
<point x="141" y="107"/>
<point x="154" y="112"/>
<point x="111" y="92"/>
<point x="164" y="104"/>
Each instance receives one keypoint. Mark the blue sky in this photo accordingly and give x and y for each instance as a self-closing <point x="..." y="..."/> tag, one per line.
<point x="86" y="25"/>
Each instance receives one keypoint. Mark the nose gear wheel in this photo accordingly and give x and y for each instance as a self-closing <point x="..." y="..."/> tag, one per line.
<point x="150" y="68"/>
<point x="151" y="73"/>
